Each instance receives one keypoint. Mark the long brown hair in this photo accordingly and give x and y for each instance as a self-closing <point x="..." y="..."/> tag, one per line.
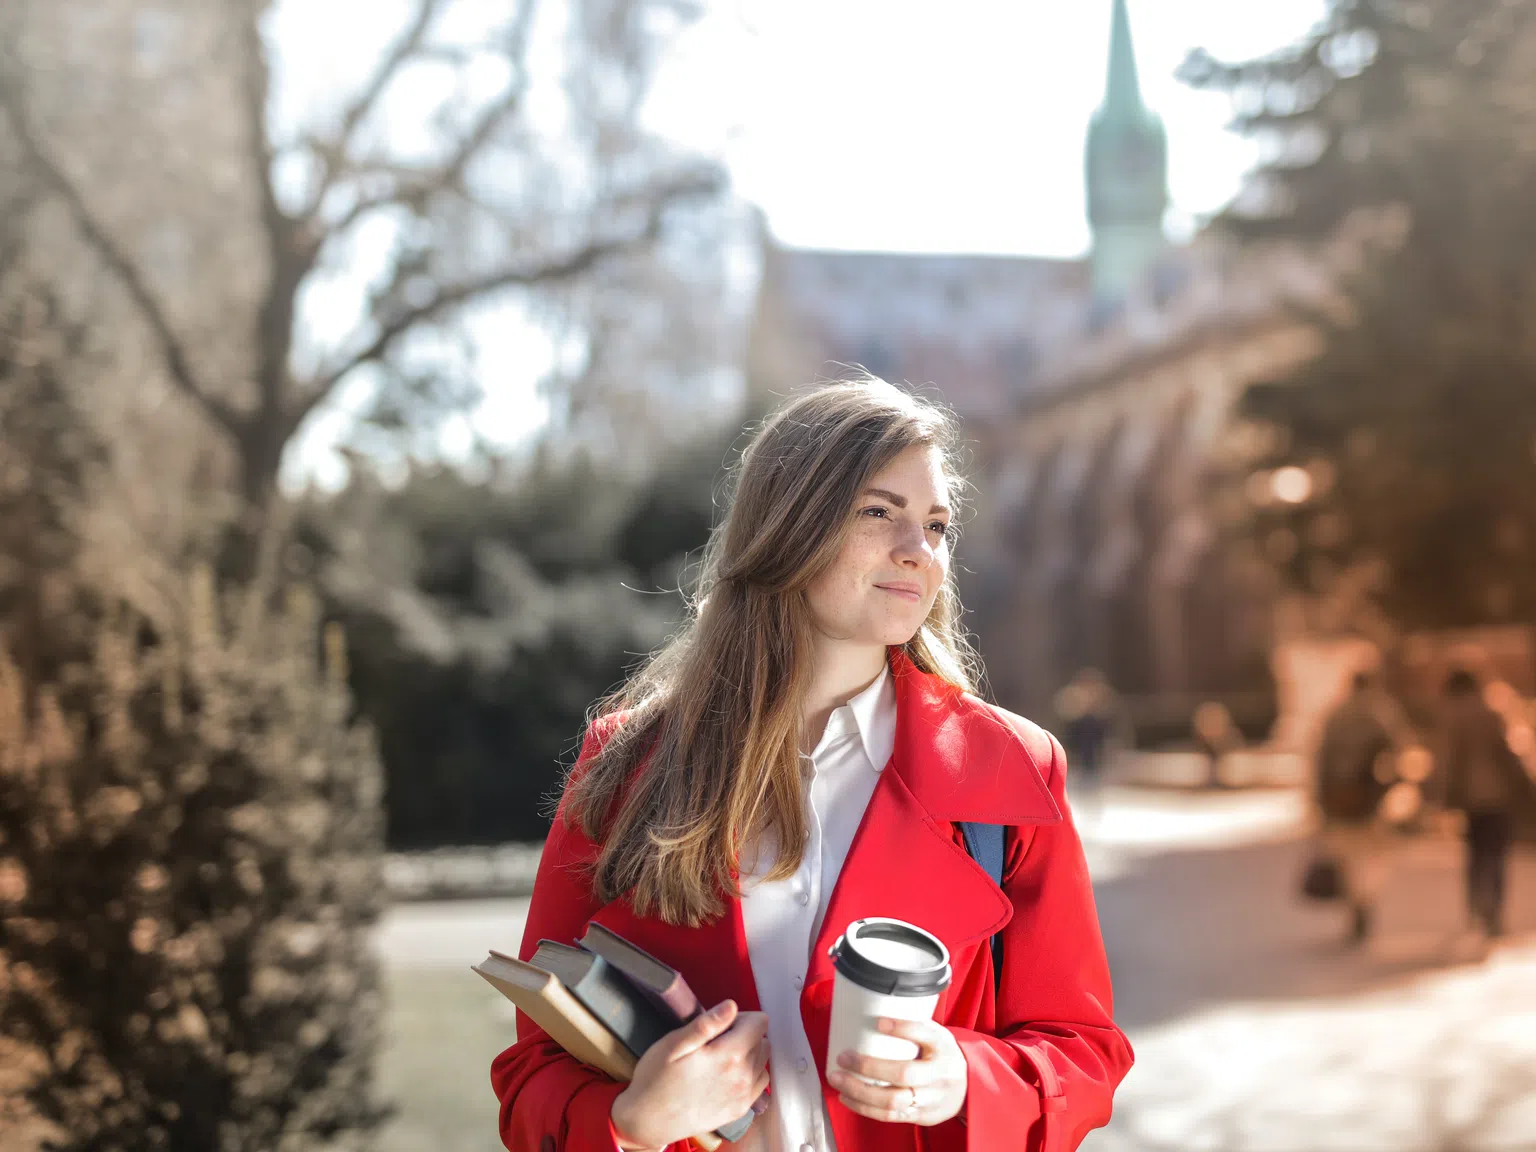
<point x="706" y="757"/>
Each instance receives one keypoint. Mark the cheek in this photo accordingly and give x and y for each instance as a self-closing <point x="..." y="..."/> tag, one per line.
<point x="844" y="587"/>
<point x="829" y="596"/>
<point x="939" y="568"/>
<point x="860" y="558"/>
<point x="938" y="572"/>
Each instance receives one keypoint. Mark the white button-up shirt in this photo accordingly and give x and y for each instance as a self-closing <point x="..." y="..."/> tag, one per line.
<point x="783" y="917"/>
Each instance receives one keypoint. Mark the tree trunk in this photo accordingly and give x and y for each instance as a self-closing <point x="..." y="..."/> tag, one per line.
<point x="249" y="540"/>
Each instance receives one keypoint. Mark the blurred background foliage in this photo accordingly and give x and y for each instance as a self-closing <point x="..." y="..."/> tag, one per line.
<point x="484" y="617"/>
<point x="190" y="828"/>
<point x="220" y="693"/>
<point x="1393" y="469"/>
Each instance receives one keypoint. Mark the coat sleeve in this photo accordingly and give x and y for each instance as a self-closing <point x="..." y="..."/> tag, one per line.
<point x="551" y="1102"/>
<point x="1045" y="1079"/>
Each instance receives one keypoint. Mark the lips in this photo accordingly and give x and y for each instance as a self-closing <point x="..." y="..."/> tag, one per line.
<point x="902" y="588"/>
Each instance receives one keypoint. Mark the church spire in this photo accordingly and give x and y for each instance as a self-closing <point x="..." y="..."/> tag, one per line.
<point x="1122" y="93"/>
<point x="1127" y="171"/>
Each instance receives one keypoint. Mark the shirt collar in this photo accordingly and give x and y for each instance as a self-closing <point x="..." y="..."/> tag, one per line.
<point x="871" y="716"/>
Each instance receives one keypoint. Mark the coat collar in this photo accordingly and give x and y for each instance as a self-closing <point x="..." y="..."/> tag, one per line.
<point x="960" y="758"/>
<point x="956" y="759"/>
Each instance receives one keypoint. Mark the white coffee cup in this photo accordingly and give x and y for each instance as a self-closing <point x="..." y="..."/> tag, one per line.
<point x="883" y="967"/>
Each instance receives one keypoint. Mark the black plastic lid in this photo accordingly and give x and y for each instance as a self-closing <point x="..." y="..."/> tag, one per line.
<point x="864" y="970"/>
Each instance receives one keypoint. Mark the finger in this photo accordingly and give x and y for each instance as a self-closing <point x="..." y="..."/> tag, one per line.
<point x="928" y="1035"/>
<point x="753" y="1022"/>
<point x="887" y="1115"/>
<point x="699" y="1032"/>
<point x="748" y="1030"/>
<point x="872" y="1100"/>
<point x="870" y="1095"/>
<point x="760" y="1056"/>
<point x="906" y="1073"/>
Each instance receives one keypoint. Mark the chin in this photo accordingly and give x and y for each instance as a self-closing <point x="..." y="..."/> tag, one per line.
<point x="896" y="637"/>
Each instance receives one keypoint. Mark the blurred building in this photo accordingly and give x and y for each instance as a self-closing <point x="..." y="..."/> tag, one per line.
<point x="1098" y="397"/>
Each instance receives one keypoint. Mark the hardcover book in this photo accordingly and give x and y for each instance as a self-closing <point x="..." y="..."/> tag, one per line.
<point x="548" y="1003"/>
<point x="633" y="1018"/>
<point x="661" y="982"/>
<point x="605" y="1004"/>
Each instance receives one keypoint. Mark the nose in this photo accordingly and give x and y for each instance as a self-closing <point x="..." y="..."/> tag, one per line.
<point x="913" y="549"/>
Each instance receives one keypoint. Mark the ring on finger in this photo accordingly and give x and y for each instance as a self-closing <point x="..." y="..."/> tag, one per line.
<point x="911" y="1108"/>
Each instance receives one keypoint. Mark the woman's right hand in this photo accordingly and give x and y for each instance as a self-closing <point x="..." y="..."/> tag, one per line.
<point x="693" y="1080"/>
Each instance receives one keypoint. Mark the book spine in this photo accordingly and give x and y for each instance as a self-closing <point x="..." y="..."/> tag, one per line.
<point x="632" y="1018"/>
<point x="736" y="1129"/>
<point x="680" y="1000"/>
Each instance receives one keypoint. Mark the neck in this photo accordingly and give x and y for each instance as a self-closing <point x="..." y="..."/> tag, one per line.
<point x="842" y="672"/>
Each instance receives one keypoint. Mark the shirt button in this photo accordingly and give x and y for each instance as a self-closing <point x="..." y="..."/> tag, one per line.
<point x="803" y="898"/>
<point x="807" y="1148"/>
<point x="799" y="982"/>
<point x="801" y="1064"/>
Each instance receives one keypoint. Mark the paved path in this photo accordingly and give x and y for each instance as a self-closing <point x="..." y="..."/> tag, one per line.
<point x="1255" y="1030"/>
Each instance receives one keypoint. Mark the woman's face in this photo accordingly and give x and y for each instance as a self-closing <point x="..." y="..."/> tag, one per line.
<point x="895" y="559"/>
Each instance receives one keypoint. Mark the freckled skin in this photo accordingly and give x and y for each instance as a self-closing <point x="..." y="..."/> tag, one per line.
<point x="888" y="544"/>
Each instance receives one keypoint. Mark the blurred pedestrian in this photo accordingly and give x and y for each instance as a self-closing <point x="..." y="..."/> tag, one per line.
<point x="1215" y="736"/>
<point x="1090" y="715"/>
<point x="1353" y="772"/>
<point x="1483" y="779"/>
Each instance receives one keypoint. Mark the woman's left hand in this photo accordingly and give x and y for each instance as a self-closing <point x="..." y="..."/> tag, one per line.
<point x="927" y="1090"/>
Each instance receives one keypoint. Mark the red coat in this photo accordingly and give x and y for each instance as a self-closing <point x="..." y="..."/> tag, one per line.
<point x="1044" y="1055"/>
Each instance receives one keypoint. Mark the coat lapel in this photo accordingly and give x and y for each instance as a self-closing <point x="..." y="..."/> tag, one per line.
<point x="955" y="759"/>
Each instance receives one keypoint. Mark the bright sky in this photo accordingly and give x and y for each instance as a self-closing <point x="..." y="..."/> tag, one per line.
<point x="911" y="125"/>
<point x="877" y="124"/>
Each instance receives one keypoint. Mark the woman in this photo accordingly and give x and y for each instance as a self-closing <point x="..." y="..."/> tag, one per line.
<point x="799" y="757"/>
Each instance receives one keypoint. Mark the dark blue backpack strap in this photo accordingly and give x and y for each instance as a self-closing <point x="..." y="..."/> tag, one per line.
<point x="987" y="844"/>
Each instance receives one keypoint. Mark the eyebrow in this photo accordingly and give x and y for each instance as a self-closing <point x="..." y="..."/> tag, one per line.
<point x="901" y="501"/>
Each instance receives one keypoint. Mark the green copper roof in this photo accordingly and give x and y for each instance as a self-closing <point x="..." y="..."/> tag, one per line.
<point x="1127" y="170"/>
<point x="1122" y="94"/>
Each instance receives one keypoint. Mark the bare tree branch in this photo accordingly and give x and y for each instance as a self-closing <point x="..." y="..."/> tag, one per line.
<point x="416" y="185"/>
<point x="256" y="90"/>
<point x="448" y="297"/>
<point x="499" y="110"/>
<point x="118" y="262"/>
<point x="361" y="207"/>
<point x="333" y="155"/>
<point x="13" y="240"/>
<point x="412" y="184"/>
<point x="291" y="250"/>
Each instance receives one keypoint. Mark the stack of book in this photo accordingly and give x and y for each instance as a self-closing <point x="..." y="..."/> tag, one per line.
<point x="605" y="1001"/>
